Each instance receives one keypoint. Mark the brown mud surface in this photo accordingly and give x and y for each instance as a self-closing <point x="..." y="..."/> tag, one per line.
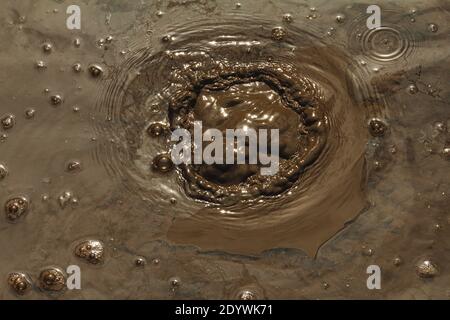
<point x="363" y="118"/>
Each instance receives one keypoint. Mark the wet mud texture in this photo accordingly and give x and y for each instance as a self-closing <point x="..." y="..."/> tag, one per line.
<point x="85" y="177"/>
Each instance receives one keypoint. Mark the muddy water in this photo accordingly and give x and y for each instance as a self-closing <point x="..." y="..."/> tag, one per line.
<point x="86" y="119"/>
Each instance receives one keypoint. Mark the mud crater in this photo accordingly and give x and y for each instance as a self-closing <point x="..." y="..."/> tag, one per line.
<point x="257" y="97"/>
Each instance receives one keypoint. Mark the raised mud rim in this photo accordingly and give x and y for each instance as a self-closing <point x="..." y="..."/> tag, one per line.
<point x="302" y="96"/>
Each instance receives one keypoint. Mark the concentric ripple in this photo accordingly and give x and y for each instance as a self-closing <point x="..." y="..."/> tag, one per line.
<point x="385" y="44"/>
<point x="389" y="43"/>
<point x="218" y="74"/>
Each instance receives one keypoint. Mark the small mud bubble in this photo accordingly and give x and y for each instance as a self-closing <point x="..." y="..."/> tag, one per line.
<point x="278" y="33"/>
<point x="3" y="171"/>
<point x="440" y="126"/>
<point x="77" y="42"/>
<point x="412" y="89"/>
<point x="162" y="163"/>
<point x="56" y="99"/>
<point x="101" y="42"/>
<point x="397" y="261"/>
<point x="41" y="64"/>
<point x="64" y="198"/>
<point x="156" y="261"/>
<point x="47" y="47"/>
<point x="95" y="70"/>
<point x="167" y="38"/>
<point x="331" y="31"/>
<point x="159" y="13"/>
<point x="247" y="295"/>
<point x="427" y="269"/>
<point x="3" y="137"/>
<point x="16" y="207"/>
<point x="76" y="109"/>
<point x="238" y="5"/>
<point x="109" y="39"/>
<point x="368" y="252"/>
<point x="52" y="279"/>
<point x="8" y="121"/>
<point x="30" y="113"/>
<point x="173" y="201"/>
<point x="19" y="282"/>
<point x="76" y="67"/>
<point x="340" y="18"/>
<point x="73" y="166"/>
<point x="377" y="128"/>
<point x="156" y="129"/>
<point x="140" y="262"/>
<point x="175" y="282"/>
<point x="155" y="109"/>
<point x="432" y="27"/>
<point x="446" y="153"/>
<point x="325" y="285"/>
<point x="377" y="165"/>
<point x="287" y="17"/>
<point x="91" y="251"/>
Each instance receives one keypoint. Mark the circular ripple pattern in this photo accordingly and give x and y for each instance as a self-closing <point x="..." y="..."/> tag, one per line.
<point x="385" y="44"/>
<point x="389" y="43"/>
<point x="213" y="72"/>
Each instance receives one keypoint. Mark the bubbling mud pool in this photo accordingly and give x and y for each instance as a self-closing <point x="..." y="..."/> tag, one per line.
<point x="87" y="179"/>
<point x="228" y="80"/>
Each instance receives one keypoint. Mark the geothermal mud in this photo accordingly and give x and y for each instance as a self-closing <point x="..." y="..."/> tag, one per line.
<point x="86" y="176"/>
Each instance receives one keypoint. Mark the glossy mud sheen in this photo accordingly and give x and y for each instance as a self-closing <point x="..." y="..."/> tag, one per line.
<point x="86" y="118"/>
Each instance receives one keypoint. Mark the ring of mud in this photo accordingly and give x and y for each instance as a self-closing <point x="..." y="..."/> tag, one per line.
<point x="300" y="95"/>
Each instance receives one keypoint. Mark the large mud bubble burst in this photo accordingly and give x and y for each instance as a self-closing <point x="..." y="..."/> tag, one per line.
<point x="310" y="90"/>
<point x="258" y="95"/>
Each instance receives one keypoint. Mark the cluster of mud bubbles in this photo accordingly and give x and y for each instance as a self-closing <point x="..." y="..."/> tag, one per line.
<point x="86" y="176"/>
